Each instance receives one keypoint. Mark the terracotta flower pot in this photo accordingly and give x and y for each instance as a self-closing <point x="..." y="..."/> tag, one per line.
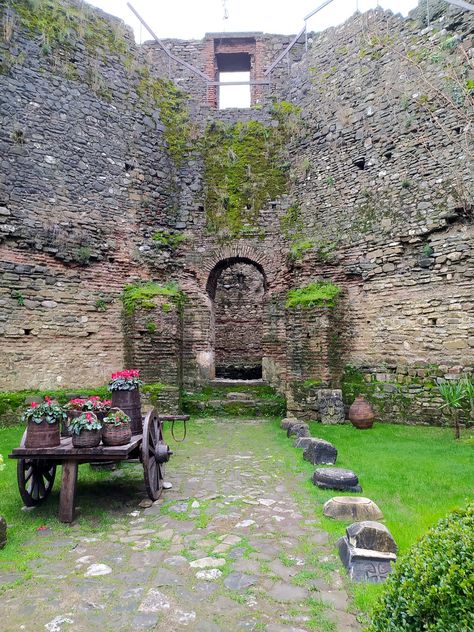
<point x="361" y="413"/>
<point x="42" y="435"/>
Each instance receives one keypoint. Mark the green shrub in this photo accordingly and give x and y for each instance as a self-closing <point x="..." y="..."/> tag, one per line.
<point x="432" y="586"/>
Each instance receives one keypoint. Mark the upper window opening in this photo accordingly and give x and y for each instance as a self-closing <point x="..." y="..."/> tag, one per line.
<point x="234" y="68"/>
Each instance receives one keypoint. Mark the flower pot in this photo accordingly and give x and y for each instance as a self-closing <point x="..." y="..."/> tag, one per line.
<point x="116" y="435"/>
<point x="87" y="439"/>
<point x="42" y="435"/>
<point x="129" y="402"/>
<point x="361" y="414"/>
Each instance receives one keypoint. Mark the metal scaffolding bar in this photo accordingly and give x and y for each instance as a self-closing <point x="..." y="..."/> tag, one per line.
<point x="169" y="53"/>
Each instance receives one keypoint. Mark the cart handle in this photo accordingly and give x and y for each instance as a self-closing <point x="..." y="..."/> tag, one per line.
<point x="173" y="419"/>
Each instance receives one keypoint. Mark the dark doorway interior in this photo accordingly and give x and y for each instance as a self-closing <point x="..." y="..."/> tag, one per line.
<point x="238" y="312"/>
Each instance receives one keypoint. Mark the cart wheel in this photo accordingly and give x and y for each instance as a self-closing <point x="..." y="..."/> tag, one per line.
<point x="35" y="479"/>
<point x="155" y="453"/>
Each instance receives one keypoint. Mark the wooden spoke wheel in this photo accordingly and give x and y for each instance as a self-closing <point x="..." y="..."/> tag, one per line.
<point x="155" y="453"/>
<point x="35" y="479"/>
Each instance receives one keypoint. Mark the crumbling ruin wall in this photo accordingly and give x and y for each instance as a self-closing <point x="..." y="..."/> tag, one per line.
<point x="382" y="183"/>
<point x="83" y="156"/>
<point x="358" y="172"/>
<point x="238" y="317"/>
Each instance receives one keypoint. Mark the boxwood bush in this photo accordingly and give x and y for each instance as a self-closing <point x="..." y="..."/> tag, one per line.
<point x="432" y="587"/>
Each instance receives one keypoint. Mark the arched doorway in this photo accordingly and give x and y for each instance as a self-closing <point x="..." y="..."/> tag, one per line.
<point x="237" y="287"/>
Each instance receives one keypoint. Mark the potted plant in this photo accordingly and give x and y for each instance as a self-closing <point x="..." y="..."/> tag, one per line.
<point x="74" y="408"/>
<point x="86" y="431"/>
<point x="116" y="428"/>
<point x="125" y="388"/>
<point x="99" y="406"/>
<point x="43" y="429"/>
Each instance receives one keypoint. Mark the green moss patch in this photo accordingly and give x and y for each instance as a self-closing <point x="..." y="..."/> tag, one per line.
<point x="61" y="25"/>
<point x="319" y="294"/>
<point x="141" y="295"/>
<point x="165" y="239"/>
<point x="164" y="95"/>
<point x="244" y="168"/>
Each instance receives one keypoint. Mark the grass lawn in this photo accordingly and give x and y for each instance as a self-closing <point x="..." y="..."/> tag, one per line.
<point x="416" y="475"/>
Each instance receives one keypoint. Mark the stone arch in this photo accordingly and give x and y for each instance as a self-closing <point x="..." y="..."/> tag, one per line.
<point x="227" y="263"/>
<point x="223" y="257"/>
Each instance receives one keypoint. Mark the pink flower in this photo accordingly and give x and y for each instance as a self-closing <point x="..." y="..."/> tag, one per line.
<point x="33" y="405"/>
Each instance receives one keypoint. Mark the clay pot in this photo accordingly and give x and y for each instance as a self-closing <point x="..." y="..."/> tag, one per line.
<point x="129" y="402"/>
<point x="42" y="435"/>
<point x="361" y="413"/>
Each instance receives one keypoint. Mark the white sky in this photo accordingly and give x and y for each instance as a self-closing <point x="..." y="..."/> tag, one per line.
<point x="191" y="19"/>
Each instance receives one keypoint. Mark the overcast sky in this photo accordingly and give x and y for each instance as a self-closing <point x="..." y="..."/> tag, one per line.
<point x="188" y="19"/>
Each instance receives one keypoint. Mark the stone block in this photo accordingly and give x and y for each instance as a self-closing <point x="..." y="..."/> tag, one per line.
<point x="336" y="478"/>
<point x="370" y="535"/>
<point x="302" y="442"/>
<point x="298" y="430"/>
<point x="331" y="406"/>
<point x="352" y="508"/>
<point x="364" y="565"/>
<point x="287" y="422"/>
<point x="320" y="451"/>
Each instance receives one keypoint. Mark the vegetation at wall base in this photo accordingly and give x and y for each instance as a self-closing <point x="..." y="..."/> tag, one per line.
<point x="432" y="587"/>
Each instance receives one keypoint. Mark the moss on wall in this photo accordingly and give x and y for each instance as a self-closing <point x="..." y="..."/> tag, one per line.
<point x="244" y="167"/>
<point x="141" y="295"/>
<point x="62" y="24"/>
<point x="164" y="95"/>
<point x="319" y="294"/>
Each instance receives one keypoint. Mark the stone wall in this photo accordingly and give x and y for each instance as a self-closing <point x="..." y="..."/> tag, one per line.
<point x="83" y="157"/>
<point x="263" y="49"/>
<point x="382" y="187"/>
<point x="105" y="182"/>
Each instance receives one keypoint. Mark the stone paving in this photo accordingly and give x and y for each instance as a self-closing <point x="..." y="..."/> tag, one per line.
<point x="235" y="545"/>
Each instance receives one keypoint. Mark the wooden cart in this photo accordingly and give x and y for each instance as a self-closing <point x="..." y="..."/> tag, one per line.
<point x="36" y="467"/>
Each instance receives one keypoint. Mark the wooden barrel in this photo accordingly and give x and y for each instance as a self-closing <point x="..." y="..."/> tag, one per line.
<point x="42" y="435"/>
<point x="129" y="402"/>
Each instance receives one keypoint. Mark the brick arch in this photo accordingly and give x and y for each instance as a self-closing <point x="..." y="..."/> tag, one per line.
<point x="226" y="256"/>
<point x="221" y="265"/>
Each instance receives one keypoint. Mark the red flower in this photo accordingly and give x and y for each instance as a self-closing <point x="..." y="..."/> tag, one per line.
<point x="33" y="405"/>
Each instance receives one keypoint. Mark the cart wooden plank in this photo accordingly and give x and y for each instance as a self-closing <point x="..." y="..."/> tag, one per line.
<point x="66" y="452"/>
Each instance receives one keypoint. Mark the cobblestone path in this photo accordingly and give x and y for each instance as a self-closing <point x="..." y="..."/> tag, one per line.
<point x="235" y="545"/>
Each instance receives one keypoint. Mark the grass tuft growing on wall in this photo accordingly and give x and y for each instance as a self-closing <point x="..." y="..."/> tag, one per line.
<point x="318" y="294"/>
<point x="141" y="295"/>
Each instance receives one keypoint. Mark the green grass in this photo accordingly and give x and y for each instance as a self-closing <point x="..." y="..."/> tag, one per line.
<point x="100" y="497"/>
<point x="416" y="475"/>
<point x="319" y="294"/>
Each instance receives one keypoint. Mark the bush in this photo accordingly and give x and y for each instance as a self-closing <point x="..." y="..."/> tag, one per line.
<point x="432" y="586"/>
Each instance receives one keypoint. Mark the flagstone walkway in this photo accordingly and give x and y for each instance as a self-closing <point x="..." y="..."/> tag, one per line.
<point x="235" y="545"/>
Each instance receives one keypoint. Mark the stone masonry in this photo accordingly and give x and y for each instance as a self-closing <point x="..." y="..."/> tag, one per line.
<point x="101" y="187"/>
